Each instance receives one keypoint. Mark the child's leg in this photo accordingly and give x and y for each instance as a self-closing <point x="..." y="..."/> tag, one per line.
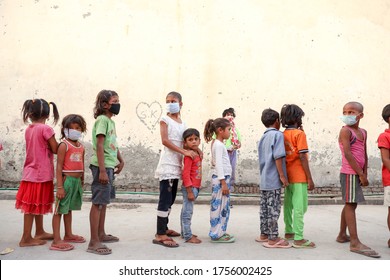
<point x="350" y="219"/>
<point x="300" y="203"/>
<point x="56" y="223"/>
<point x="27" y="239"/>
<point x="274" y="206"/>
<point x="343" y="237"/>
<point x="173" y="183"/>
<point x="164" y="204"/>
<point x="186" y="213"/>
<point x="388" y="225"/>
<point x="68" y="226"/>
<point x="40" y="233"/>
<point x="287" y="210"/>
<point x="264" y="231"/>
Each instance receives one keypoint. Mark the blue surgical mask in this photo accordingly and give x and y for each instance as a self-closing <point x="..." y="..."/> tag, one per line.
<point x="349" y="119"/>
<point x="72" y="134"/>
<point x="173" y="108"/>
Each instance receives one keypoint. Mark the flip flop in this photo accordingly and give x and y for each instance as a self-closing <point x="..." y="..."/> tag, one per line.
<point x="76" y="239"/>
<point x="224" y="239"/>
<point x="305" y="245"/>
<point x="368" y="252"/>
<point x="280" y="244"/>
<point x="61" y="247"/>
<point x="109" y="239"/>
<point x="164" y="243"/>
<point x="172" y="233"/>
<point x="101" y="250"/>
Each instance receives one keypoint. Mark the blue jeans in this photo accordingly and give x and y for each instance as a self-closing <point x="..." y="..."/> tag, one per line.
<point x="186" y="213"/>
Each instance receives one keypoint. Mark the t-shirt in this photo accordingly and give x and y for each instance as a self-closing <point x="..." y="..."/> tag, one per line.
<point x="295" y="144"/>
<point x="220" y="163"/>
<point x="105" y="126"/>
<point x="170" y="163"/>
<point x="271" y="148"/>
<point x="192" y="172"/>
<point x="38" y="165"/>
<point x="384" y="143"/>
<point x="73" y="161"/>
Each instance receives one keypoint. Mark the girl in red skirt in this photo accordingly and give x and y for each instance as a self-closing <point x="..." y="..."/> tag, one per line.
<point x="35" y="196"/>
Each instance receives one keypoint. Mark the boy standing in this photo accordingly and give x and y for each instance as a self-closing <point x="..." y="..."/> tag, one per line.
<point x="272" y="177"/>
<point x="353" y="175"/>
<point x="192" y="178"/>
<point x="384" y="146"/>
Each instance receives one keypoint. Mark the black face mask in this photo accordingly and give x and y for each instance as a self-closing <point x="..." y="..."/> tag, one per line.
<point x="115" y="108"/>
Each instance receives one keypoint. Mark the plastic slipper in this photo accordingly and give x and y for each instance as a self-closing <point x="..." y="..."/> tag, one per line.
<point x="110" y="239"/>
<point x="224" y="239"/>
<point x="368" y="252"/>
<point x="61" y="247"/>
<point x="170" y="243"/>
<point x="172" y="233"/>
<point x="75" y="239"/>
<point x="7" y="251"/>
<point x="101" y="250"/>
<point x="306" y="245"/>
<point x="280" y="244"/>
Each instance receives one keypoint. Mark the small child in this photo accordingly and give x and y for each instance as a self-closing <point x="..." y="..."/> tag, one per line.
<point x="70" y="179"/>
<point x="106" y="161"/>
<point x="298" y="173"/>
<point x="35" y="195"/>
<point x="384" y="146"/>
<point x="221" y="171"/>
<point x="192" y="179"/>
<point x="273" y="176"/>
<point x="353" y="175"/>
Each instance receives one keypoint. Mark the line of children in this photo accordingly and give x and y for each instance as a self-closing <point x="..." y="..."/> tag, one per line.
<point x="279" y="154"/>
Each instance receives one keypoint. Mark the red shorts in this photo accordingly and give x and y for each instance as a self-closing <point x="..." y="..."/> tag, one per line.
<point x="35" y="197"/>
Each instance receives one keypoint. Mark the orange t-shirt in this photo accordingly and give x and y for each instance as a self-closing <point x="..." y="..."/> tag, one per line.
<point x="295" y="143"/>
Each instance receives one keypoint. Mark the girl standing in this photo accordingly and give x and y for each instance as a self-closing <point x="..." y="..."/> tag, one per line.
<point x="169" y="168"/>
<point x="70" y="179"/>
<point x="221" y="171"/>
<point x="35" y="195"/>
<point x="106" y="161"/>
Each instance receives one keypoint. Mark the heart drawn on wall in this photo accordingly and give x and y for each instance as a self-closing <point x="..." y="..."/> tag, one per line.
<point x="149" y="114"/>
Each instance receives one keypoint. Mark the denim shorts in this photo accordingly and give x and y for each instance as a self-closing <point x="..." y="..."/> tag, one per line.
<point x="102" y="194"/>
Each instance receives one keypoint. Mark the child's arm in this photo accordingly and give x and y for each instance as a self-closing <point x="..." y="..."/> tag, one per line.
<point x="82" y="176"/>
<point x="187" y="182"/>
<point x="103" y="177"/>
<point x="53" y="144"/>
<point x="306" y="168"/>
<point x="279" y="167"/>
<point x="60" y="163"/>
<point x="344" y="139"/>
<point x="120" y="165"/>
<point x="167" y="143"/>
<point x="385" y="155"/>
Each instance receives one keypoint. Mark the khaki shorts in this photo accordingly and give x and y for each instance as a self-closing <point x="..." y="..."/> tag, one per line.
<point x="386" y="196"/>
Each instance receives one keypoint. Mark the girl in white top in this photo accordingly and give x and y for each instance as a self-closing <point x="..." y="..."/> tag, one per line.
<point x="169" y="168"/>
<point x="221" y="172"/>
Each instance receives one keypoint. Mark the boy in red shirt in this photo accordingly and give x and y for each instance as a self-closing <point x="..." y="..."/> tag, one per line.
<point x="384" y="146"/>
<point x="192" y="178"/>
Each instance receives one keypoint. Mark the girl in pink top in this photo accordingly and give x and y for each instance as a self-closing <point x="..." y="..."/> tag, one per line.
<point x="36" y="191"/>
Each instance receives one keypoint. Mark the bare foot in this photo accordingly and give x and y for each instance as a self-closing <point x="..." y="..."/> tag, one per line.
<point x="31" y="242"/>
<point x="343" y="238"/>
<point x="44" y="236"/>
<point x="194" y="240"/>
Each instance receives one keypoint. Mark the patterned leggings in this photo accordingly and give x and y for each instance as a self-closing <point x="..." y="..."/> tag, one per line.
<point x="270" y="206"/>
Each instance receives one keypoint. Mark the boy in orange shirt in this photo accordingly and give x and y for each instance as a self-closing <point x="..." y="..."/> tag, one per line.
<point x="298" y="173"/>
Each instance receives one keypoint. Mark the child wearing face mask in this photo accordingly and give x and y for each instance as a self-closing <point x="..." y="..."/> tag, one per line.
<point x="70" y="179"/>
<point x="169" y="168"/>
<point x="353" y="175"/>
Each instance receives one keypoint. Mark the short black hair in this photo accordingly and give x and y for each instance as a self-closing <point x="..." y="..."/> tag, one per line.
<point x="291" y="114"/>
<point x="386" y="113"/>
<point x="229" y="111"/>
<point x="189" y="132"/>
<point x="269" y="116"/>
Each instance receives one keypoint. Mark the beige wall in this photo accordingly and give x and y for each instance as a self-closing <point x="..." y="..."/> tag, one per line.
<point x="249" y="55"/>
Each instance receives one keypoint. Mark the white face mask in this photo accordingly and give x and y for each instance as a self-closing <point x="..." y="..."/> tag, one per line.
<point x="349" y="119"/>
<point x="173" y="108"/>
<point x="72" y="134"/>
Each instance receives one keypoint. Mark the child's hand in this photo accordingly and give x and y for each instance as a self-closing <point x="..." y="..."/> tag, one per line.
<point x="60" y="193"/>
<point x="103" y="177"/>
<point x="225" y="189"/>
<point x="119" y="167"/>
<point x="363" y="180"/>
<point x="284" y="181"/>
<point x="310" y="184"/>
<point x="190" y="153"/>
<point x="190" y="194"/>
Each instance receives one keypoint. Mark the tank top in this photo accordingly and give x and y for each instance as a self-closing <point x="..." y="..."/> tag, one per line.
<point x="73" y="161"/>
<point x="357" y="150"/>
